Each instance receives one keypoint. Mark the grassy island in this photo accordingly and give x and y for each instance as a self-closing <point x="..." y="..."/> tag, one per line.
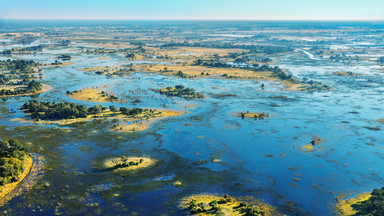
<point x="180" y="91"/>
<point x="15" y="164"/>
<point x="92" y="94"/>
<point x="207" y="204"/>
<point x="129" y="163"/>
<point x="364" y="204"/>
<point x="253" y="115"/>
<point x="17" y="78"/>
<point x="65" y="113"/>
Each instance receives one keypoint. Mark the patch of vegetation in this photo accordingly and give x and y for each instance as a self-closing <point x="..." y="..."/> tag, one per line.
<point x="12" y="157"/>
<point x="64" y="57"/>
<point x="374" y="206"/>
<point x="126" y="163"/>
<point x="65" y="110"/>
<point x="15" y="77"/>
<point x="253" y="115"/>
<point x="180" y="91"/>
<point x="223" y="206"/>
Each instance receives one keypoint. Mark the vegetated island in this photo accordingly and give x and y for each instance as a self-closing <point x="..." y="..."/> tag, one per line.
<point x="364" y="204"/>
<point x="65" y="113"/>
<point x="345" y="73"/>
<point x="92" y="95"/>
<point x="253" y="115"/>
<point x="310" y="147"/>
<point x="124" y="163"/>
<point x="180" y="91"/>
<point x="211" y="69"/>
<point x="208" y="204"/>
<point x="17" y="78"/>
<point x="15" y="164"/>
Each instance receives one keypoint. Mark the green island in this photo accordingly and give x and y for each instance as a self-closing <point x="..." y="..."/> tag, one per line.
<point x="368" y="204"/>
<point x="65" y="113"/>
<point x="15" y="164"/>
<point x="125" y="163"/>
<point x="254" y="115"/>
<point x="208" y="204"/>
<point x="180" y="91"/>
<point x="16" y="78"/>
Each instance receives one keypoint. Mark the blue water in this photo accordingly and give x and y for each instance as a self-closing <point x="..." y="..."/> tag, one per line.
<point x="256" y="157"/>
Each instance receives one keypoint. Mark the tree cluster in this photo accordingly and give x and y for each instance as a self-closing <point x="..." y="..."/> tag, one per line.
<point x="12" y="155"/>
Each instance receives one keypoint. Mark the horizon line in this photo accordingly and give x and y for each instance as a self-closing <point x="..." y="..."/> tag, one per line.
<point x="86" y="19"/>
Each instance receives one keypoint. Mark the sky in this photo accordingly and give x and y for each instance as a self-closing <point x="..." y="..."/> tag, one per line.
<point x="194" y="9"/>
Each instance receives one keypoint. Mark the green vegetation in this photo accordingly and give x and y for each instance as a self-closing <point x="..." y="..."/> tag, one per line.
<point x="216" y="207"/>
<point x="180" y="91"/>
<point x="15" y="77"/>
<point x="126" y="163"/>
<point x="65" y="110"/>
<point x="374" y="206"/>
<point x="12" y="156"/>
<point x="32" y="87"/>
<point x="38" y="48"/>
<point x="253" y="115"/>
<point x="64" y="57"/>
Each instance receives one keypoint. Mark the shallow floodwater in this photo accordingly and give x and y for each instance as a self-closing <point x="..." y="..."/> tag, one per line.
<point x="257" y="158"/>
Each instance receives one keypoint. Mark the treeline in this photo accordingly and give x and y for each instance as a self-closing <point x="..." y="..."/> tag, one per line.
<point x="38" y="48"/>
<point x="65" y="110"/>
<point x="12" y="156"/>
<point x="19" y="65"/>
<point x="251" y="48"/>
<point x="32" y="87"/>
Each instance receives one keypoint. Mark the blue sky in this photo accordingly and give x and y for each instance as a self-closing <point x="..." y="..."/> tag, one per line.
<point x="194" y="9"/>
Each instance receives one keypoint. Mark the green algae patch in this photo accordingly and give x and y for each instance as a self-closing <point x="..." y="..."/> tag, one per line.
<point x="128" y="163"/>
<point x="344" y="207"/>
<point x="209" y="204"/>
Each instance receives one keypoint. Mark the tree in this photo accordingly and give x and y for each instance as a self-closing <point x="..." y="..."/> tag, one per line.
<point x="113" y="108"/>
<point x="374" y="206"/>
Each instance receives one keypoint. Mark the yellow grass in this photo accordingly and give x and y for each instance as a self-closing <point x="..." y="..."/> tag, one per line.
<point x="91" y="95"/>
<point x="232" y="73"/>
<point x="64" y="63"/>
<point x="344" y="207"/>
<point x="107" y="114"/>
<point x="145" y="163"/>
<point x="144" y="124"/>
<point x="5" y="189"/>
<point x="229" y="209"/>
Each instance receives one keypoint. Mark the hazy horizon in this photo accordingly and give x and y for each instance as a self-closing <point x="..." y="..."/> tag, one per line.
<point x="194" y="10"/>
